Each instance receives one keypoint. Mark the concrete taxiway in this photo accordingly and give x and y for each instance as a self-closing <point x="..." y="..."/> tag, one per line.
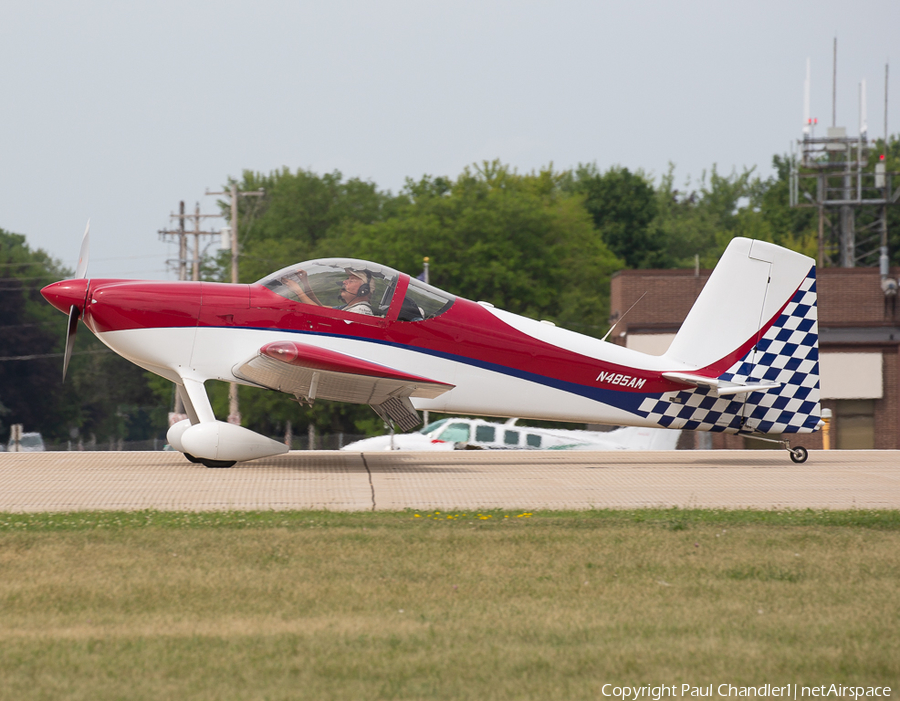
<point x="458" y="480"/>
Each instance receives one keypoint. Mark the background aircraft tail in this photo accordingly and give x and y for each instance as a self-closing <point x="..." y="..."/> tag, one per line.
<point x="754" y="324"/>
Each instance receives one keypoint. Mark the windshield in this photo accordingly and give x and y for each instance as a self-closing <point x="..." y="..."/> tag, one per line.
<point x="455" y="433"/>
<point x="424" y="302"/>
<point x="433" y="426"/>
<point x="340" y="283"/>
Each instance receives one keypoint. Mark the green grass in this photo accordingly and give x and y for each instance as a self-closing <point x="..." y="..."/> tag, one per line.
<point x="497" y="605"/>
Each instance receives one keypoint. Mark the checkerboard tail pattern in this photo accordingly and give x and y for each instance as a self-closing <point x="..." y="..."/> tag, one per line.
<point x="788" y="353"/>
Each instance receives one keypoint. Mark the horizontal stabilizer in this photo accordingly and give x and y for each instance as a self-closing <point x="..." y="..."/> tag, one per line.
<point x="721" y="388"/>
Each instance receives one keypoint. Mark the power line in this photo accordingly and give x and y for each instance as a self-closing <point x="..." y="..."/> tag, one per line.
<point x="46" y="276"/>
<point x="22" y="265"/>
<point x="38" y="356"/>
<point x="181" y="235"/>
<point x="38" y="323"/>
<point x="23" y="288"/>
<point x="147" y="255"/>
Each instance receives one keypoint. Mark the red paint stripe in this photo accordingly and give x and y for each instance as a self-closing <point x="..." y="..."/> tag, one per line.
<point x="467" y="331"/>
<point x="316" y="358"/>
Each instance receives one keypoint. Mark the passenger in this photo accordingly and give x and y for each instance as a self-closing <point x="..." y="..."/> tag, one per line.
<point x="356" y="291"/>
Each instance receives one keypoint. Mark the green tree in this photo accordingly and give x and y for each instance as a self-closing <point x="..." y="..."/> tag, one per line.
<point x="891" y="153"/>
<point x="30" y="331"/>
<point x="701" y="222"/>
<point x="297" y="211"/>
<point x="792" y="227"/>
<point x="103" y="396"/>
<point x="520" y="242"/>
<point x="286" y="225"/>
<point x="623" y="206"/>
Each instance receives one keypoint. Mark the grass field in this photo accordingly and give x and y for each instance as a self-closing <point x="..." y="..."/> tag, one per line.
<point x="154" y="605"/>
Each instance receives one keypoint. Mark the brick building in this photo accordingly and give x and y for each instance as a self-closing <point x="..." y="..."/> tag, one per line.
<point x="859" y="347"/>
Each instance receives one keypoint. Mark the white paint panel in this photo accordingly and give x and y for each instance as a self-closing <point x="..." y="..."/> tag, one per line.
<point x="649" y="343"/>
<point x="478" y="391"/>
<point x="851" y="375"/>
<point x="585" y="345"/>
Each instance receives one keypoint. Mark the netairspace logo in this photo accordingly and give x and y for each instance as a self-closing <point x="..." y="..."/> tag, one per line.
<point x="788" y="691"/>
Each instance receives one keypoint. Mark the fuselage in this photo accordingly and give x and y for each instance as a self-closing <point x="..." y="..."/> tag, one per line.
<point x="744" y="361"/>
<point x="501" y="364"/>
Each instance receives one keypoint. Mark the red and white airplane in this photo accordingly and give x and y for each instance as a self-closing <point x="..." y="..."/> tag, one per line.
<point x="745" y="360"/>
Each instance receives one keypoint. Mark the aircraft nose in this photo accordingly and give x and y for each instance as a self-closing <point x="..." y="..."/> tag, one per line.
<point x="66" y="293"/>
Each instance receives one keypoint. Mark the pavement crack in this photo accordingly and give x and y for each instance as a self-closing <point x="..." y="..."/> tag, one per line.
<point x="369" y="472"/>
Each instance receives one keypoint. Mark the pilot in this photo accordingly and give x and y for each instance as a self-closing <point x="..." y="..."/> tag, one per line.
<point x="355" y="294"/>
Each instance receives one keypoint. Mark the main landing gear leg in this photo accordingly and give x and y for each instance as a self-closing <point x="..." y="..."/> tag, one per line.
<point x="798" y="455"/>
<point x="196" y="404"/>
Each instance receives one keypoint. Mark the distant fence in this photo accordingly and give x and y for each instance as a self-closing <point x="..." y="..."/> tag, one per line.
<point x="329" y="441"/>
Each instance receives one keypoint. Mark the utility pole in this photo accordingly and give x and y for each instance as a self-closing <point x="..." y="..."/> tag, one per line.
<point x="182" y="245"/>
<point x="425" y="262"/>
<point x="234" y="413"/>
<point x="182" y="235"/>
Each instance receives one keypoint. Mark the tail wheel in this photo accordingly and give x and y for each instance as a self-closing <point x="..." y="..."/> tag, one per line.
<point x="799" y="454"/>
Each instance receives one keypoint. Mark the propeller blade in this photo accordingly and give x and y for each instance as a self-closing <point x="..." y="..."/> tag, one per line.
<point x="81" y="270"/>
<point x="74" y="315"/>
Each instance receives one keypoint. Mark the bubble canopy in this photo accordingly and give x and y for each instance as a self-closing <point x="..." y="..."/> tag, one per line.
<point x="357" y="286"/>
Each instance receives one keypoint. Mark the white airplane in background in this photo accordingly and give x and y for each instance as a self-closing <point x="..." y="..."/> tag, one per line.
<point x="467" y="434"/>
<point x="745" y="360"/>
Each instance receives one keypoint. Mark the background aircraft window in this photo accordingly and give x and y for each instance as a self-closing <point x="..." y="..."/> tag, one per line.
<point x="455" y="433"/>
<point x="533" y="441"/>
<point x="485" y="434"/>
<point x="321" y="282"/>
<point x="424" y="302"/>
<point x="511" y="437"/>
<point x="434" y="426"/>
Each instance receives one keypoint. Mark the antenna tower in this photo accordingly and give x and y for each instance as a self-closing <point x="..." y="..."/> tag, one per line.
<point x="833" y="174"/>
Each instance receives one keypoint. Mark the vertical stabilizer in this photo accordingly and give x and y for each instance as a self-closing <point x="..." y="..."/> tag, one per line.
<point x="752" y="282"/>
<point x="755" y="322"/>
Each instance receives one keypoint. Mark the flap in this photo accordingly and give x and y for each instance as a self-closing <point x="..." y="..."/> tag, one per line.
<point x="310" y="372"/>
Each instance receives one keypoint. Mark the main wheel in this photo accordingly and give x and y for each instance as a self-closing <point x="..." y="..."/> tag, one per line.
<point x="218" y="463"/>
<point x="191" y="458"/>
<point x="799" y="454"/>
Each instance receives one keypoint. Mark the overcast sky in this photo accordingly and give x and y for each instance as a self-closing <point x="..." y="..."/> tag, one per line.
<point x="115" y="111"/>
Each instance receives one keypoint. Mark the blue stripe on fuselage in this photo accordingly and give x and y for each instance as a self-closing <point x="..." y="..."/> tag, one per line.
<point x="627" y="401"/>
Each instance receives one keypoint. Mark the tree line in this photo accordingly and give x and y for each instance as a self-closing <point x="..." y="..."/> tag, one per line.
<point x="104" y="396"/>
<point x="544" y="244"/>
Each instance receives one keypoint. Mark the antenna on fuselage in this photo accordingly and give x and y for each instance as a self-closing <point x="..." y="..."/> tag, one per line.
<point x="623" y="316"/>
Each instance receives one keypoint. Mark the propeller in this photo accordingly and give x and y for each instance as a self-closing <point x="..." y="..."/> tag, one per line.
<point x="74" y="311"/>
<point x="81" y="269"/>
